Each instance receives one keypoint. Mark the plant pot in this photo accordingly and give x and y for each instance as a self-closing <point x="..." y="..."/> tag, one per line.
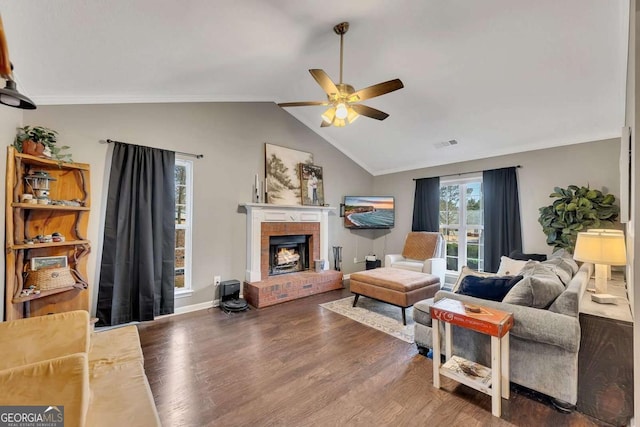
<point x="33" y="148"/>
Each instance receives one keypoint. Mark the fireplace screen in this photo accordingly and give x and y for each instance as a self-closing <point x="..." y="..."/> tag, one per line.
<point x="288" y="254"/>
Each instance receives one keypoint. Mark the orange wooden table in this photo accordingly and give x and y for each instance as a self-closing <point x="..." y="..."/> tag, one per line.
<point x="493" y="381"/>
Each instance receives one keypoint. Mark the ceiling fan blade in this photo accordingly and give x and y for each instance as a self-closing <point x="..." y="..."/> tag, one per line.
<point x="302" y="104"/>
<point x="363" y="110"/>
<point x="325" y="82"/>
<point x="376" y="90"/>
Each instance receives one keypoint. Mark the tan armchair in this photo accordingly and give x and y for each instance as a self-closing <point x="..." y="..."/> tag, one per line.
<point x="423" y="252"/>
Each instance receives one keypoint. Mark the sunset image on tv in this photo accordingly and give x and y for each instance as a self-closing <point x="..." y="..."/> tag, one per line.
<point x="369" y="212"/>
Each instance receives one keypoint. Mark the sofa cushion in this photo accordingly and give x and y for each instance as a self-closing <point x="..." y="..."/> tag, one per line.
<point x="493" y="288"/>
<point x="467" y="271"/>
<point x="535" y="291"/>
<point x="114" y="346"/>
<point x="422" y="311"/>
<point x="121" y="396"/>
<point x="509" y="267"/>
<point x="408" y="264"/>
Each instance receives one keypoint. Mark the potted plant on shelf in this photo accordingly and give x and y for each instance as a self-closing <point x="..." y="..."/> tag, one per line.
<point x="40" y="141"/>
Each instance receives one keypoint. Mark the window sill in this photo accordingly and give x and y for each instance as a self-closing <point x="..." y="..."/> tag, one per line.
<point x="182" y="293"/>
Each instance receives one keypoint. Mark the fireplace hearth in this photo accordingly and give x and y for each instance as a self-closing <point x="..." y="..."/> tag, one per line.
<point x="288" y="254"/>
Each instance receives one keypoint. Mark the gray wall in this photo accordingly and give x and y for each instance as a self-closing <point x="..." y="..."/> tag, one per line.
<point x="10" y="119"/>
<point x="593" y="163"/>
<point x="231" y="136"/>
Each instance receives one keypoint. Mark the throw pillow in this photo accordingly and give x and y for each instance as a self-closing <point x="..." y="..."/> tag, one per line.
<point x="493" y="288"/>
<point x="526" y="257"/>
<point x="509" y="267"/>
<point x="562" y="268"/>
<point x="535" y="291"/>
<point x="468" y="271"/>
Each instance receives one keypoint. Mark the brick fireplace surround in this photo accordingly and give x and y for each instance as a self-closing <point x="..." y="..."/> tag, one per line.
<point x="263" y="221"/>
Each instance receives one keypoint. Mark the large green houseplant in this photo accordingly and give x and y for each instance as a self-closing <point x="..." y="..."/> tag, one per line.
<point x="41" y="142"/>
<point x="576" y="209"/>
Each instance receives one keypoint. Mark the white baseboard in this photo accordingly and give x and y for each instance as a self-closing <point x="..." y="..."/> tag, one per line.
<point x="195" y="307"/>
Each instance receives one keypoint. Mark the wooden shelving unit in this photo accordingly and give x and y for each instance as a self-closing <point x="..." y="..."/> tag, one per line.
<point x="25" y="221"/>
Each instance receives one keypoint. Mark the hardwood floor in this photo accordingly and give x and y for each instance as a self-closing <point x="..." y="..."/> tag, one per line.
<point x="297" y="364"/>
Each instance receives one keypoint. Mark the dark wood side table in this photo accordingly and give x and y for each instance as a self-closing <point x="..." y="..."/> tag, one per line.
<point x="605" y="359"/>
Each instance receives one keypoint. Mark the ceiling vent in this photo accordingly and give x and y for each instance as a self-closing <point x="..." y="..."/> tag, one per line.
<point x="446" y="143"/>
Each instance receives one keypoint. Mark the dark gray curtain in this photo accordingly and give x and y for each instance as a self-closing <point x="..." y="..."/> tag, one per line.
<point x="137" y="270"/>
<point x="502" y="231"/>
<point x="426" y="205"/>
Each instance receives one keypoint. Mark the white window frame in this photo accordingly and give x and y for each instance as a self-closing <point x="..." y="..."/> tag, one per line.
<point x="187" y="226"/>
<point x="462" y="218"/>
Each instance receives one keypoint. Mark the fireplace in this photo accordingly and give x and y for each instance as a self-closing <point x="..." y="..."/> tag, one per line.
<point x="288" y="254"/>
<point x="269" y="229"/>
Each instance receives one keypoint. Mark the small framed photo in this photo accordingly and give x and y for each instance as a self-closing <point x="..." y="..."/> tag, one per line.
<point x="312" y="186"/>
<point x="39" y="263"/>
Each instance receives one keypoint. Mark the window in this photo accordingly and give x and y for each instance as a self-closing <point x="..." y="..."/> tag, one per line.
<point x="183" y="185"/>
<point x="462" y="222"/>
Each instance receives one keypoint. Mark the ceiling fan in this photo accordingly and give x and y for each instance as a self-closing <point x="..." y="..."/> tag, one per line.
<point x="342" y="98"/>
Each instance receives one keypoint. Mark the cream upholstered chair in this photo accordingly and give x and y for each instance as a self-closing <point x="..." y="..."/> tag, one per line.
<point x="423" y="252"/>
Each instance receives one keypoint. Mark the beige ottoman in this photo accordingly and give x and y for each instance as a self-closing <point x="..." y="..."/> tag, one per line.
<point x="395" y="286"/>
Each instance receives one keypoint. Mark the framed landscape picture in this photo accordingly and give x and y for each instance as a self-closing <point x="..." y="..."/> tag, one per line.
<point x="283" y="174"/>
<point x="312" y="186"/>
<point x="38" y="263"/>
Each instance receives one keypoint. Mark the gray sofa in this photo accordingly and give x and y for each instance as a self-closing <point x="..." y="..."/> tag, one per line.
<point x="544" y="343"/>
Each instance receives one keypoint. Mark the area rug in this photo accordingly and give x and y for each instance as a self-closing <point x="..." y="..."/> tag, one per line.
<point x="375" y="314"/>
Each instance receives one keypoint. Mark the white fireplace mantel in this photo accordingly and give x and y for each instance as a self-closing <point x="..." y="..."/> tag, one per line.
<point x="257" y="213"/>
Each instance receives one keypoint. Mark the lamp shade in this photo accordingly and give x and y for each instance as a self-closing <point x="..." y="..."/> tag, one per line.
<point x="601" y="247"/>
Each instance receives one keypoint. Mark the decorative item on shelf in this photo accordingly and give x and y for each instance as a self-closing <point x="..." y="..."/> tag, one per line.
<point x="602" y="248"/>
<point x="576" y="209"/>
<point x="74" y="202"/>
<point x="38" y="182"/>
<point x="283" y="174"/>
<point x="24" y="198"/>
<point x="40" y="142"/>
<point x="312" y="186"/>
<point x="50" y="278"/>
<point x="57" y="237"/>
<point x="256" y="190"/>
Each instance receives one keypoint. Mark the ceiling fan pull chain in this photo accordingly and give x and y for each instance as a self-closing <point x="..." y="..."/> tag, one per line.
<point x="341" y="50"/>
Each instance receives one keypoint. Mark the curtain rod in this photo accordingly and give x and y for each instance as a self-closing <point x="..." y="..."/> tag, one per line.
<point x="197" y="156"/>
<point x="464" y="173"/>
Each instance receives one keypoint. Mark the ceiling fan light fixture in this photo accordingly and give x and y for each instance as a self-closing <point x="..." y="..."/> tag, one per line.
<point x="337" y="122"/>
<point x="352" y="115"/>
<point x="329" y="115"/>
<point x="341" y="111"/>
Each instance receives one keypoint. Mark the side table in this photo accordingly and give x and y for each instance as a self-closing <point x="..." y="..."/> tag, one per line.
<point x="497" y="324"/>
<point x="605" y="359"/>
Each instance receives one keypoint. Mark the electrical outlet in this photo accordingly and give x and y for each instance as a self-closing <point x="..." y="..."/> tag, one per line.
<point x="216" y="280"/>
<point x="355" y="260"/>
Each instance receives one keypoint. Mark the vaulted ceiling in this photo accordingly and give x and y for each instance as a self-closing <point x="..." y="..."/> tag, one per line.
<point x="497" y="76"/>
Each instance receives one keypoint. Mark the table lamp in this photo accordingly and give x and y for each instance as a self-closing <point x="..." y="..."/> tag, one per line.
<point x="602" y="248"/>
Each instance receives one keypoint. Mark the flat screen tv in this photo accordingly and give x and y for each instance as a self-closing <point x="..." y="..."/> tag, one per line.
<point x="369" y="211"/>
